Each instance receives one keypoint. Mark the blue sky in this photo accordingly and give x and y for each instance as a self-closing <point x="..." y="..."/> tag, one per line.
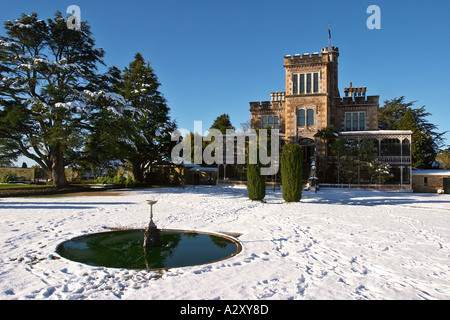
<point x="215" y="56"/>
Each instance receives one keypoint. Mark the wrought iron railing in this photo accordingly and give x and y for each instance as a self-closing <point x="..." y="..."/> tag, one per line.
<point x="385" y="159"/>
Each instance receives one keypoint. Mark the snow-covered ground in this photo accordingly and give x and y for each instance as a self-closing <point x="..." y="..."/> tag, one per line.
<point x="336" y="244"/>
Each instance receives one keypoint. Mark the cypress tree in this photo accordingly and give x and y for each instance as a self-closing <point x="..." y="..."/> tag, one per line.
<point x="291" y="172"/>
<point x="256" y="183"/>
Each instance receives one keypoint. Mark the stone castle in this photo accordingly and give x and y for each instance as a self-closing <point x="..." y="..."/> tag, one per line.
<point x="312" y="102"/>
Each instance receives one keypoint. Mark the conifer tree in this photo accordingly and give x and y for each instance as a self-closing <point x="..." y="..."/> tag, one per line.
<point x="139" y="135"/>
<point x="444" y="159"/>
<point x="291" y="172"/>
<point x="222" y="123"/>
<point x="423" y="152"/>
<point x="49" y="90"/>
<point x="256" y="182"/>
<point x="396" y="114"/>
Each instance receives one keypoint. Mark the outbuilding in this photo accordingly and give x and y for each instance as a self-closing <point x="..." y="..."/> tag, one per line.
<point x="431" y="181"/>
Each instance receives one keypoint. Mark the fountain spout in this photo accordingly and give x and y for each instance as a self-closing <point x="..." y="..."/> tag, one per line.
<point x="152" y="236"/>
<point x="313" y="185"/>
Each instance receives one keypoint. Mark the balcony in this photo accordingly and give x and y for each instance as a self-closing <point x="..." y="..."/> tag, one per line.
<point x="392" y="160"/>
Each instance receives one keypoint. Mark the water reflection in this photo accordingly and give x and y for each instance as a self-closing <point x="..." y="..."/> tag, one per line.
<point x="124" y="249"/>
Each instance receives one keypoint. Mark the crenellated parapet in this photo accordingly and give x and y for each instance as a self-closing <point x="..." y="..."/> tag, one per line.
<point x="276" y="102"/>
<point x="305" y="58"/>
<point x="260" y="105"/>
<point x="327" y="54"/>
<point x="358" y="101"/>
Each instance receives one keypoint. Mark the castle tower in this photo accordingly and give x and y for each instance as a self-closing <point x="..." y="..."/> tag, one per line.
<point x="333" y="55"/>
<point x="311" y="85"/>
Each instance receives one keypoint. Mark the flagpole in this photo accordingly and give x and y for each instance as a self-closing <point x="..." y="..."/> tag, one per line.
<point x="329" y="35"/>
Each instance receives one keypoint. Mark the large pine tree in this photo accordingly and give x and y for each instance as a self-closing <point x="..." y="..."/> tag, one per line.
<point x="49" y="90"/>
<point x="140" y="133"/>
<point x="150" y="128"/>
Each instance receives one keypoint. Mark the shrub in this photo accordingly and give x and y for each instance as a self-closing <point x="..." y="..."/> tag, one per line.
<point x="8" y="177"/>
<point x="119" y="179"/>
<point x="291" y="172"/>
<point x="116" y="179"/>
<point x="256" y="183"/>
<point x="129" y="182"/>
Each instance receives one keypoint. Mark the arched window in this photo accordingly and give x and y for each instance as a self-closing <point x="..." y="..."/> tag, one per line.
<point x="301" y="119"/>
<point x="406" y="148"/>
<point x="310" y="117"/>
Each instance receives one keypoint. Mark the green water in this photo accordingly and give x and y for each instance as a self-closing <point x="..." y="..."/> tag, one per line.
<point x="124" y="249"/>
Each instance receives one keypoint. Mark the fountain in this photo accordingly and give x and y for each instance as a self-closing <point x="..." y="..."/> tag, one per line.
<point x="150" y="248"/>
<point x="313" y="185"/>
<point x="152" y="236"/>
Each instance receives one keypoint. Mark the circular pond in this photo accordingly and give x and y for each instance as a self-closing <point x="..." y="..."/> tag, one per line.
<point x="124" y="249"/>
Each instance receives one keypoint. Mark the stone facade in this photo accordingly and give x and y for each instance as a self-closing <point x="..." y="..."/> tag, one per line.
<point x="431" y="181"/>
<point x="312" y="101"/>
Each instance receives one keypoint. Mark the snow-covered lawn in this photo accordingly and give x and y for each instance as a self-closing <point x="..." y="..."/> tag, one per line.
<point x="336" y="244"/>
